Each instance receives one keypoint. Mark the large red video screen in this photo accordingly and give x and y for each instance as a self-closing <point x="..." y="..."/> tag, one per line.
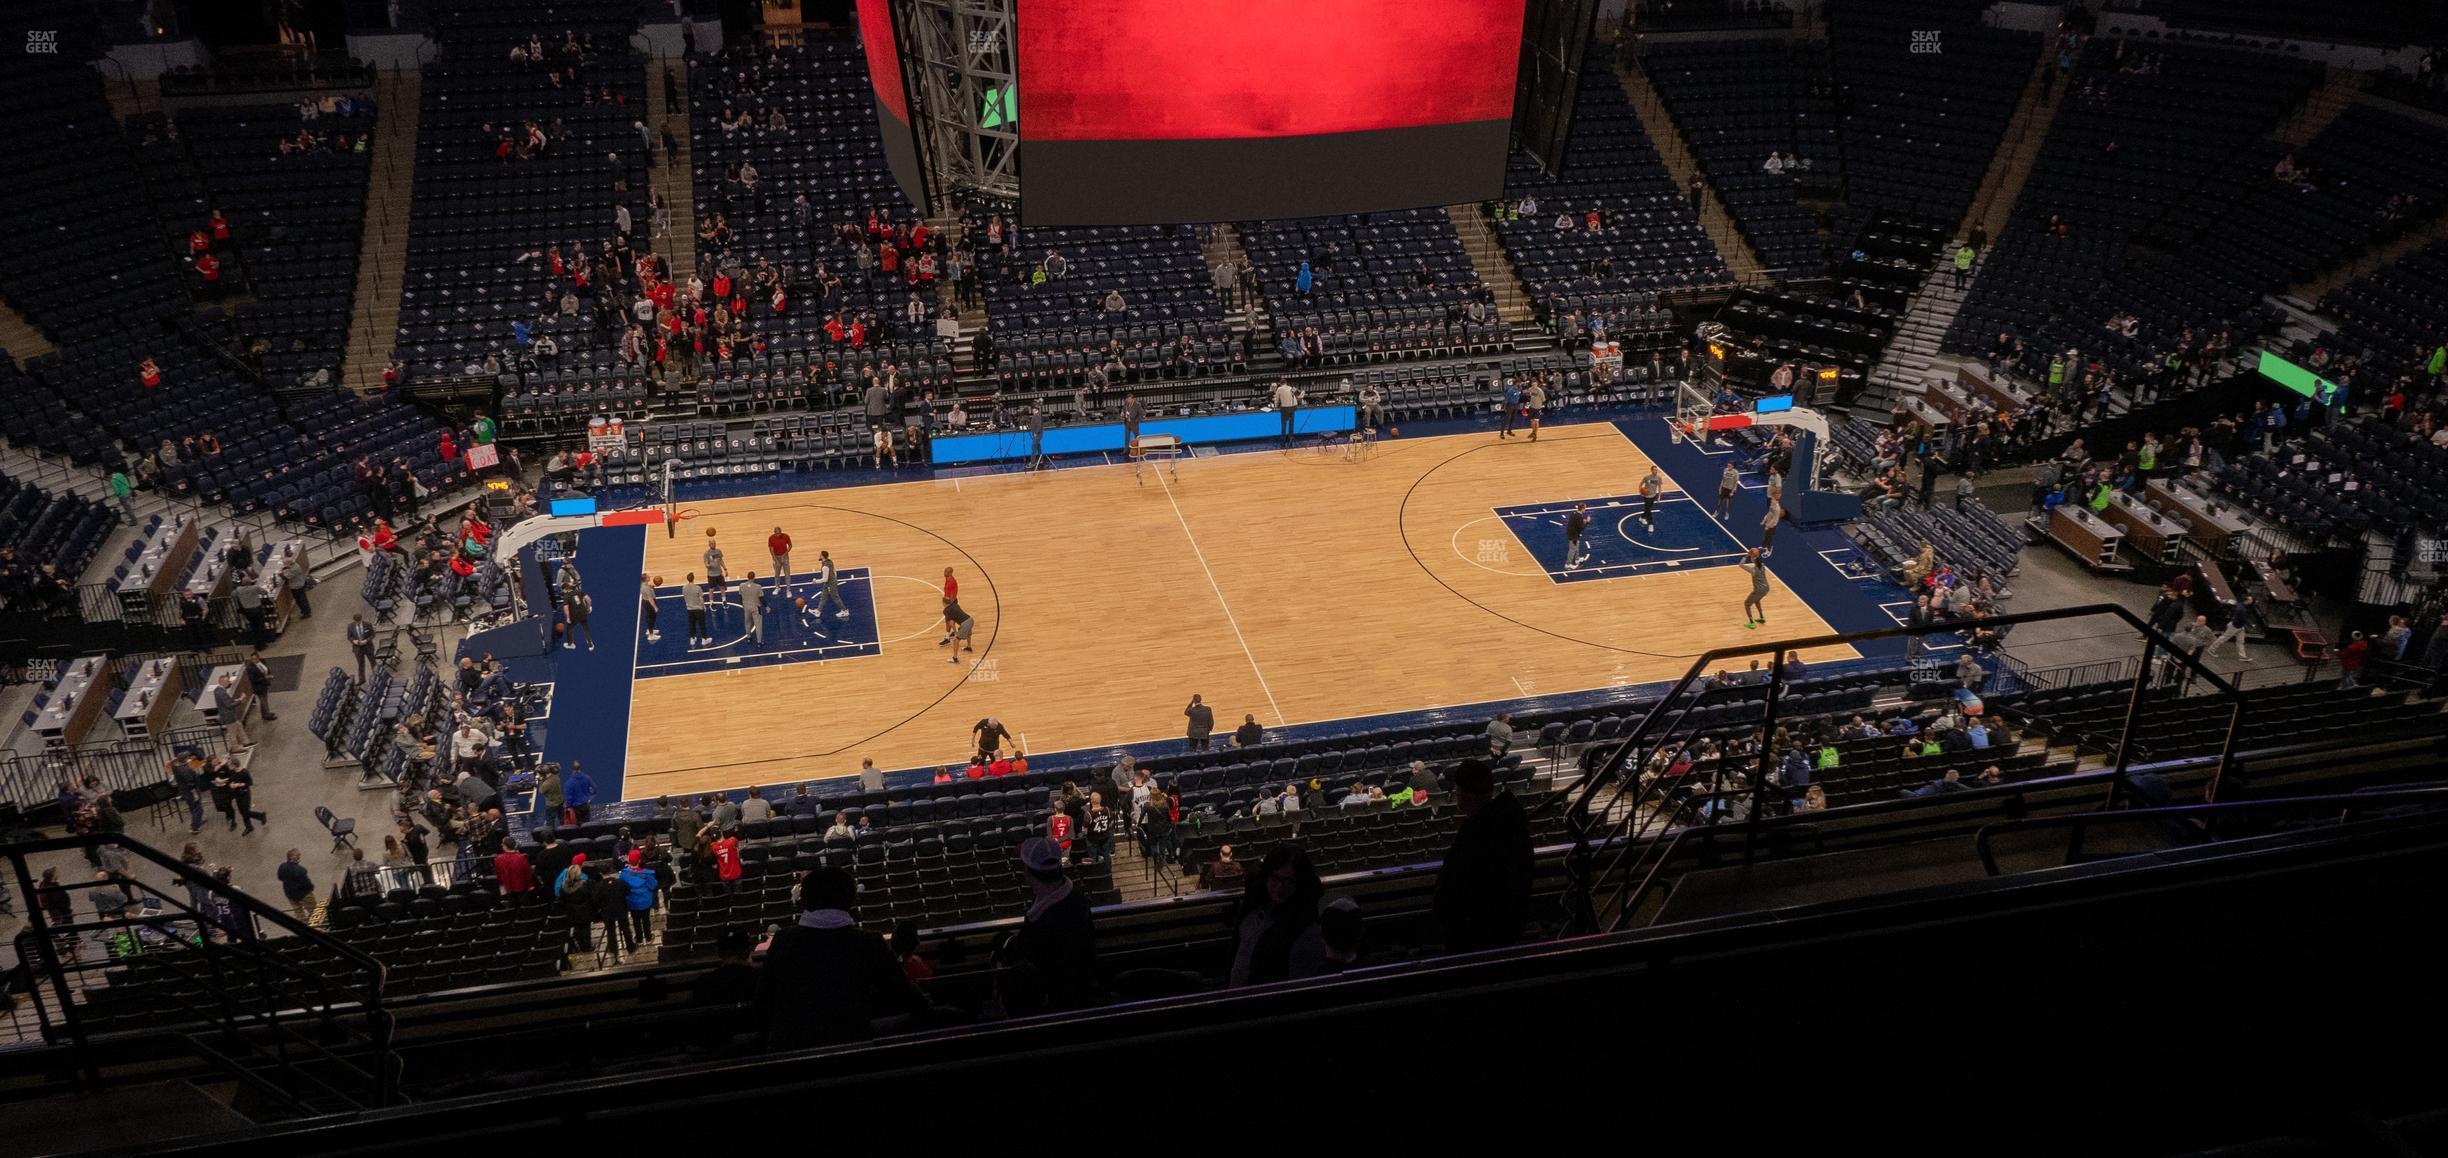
<point x="891" y="97"/>
<point x="1157" y="111"/>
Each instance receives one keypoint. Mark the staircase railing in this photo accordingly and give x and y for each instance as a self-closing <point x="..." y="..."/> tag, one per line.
<point x="1626" y="824"/>
<point x="290" y="1013"/>
<point x="2343" y="804"/>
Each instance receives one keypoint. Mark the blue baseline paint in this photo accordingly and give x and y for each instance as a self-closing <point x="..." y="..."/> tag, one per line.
<point x="592" y="687"/>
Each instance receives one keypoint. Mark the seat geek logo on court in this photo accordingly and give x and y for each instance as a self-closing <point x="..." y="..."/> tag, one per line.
<point x="1925" y="42"/>
<point x="42" y="42"/>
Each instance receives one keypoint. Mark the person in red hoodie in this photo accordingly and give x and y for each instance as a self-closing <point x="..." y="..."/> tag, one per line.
<point x="220" y="226"/>
<point x="726" y="854"/>
<point x="450" y="447"/>
<point x="513" y="873"/>
<point x="149" y="373"/>
<point x="2350" y="661"/>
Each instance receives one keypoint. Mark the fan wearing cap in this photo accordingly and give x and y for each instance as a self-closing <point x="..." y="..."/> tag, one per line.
<point x="1483" y="891"/>
<point x="2350" y="661"/>
<point x="825" y="979"/>
<point x="1050" y="963"/>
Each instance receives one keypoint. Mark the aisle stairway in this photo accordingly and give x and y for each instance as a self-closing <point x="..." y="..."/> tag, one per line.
<point x="18" y="336"/>
<point x="672" y="175"/>
<point x="1912" y="351"/>
<point x="1715" y="219"/>
<point x="1488" y="258"/>
<point x="1252" y="324"/>
<point x="382" y="247"/>
<point x="2338" y="91"/>
<point x="2011" y="166"/>
<point x="2310" y="291"/>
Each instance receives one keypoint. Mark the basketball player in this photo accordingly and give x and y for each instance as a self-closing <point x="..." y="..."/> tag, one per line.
<point x="778" y="545"/>
<point x="646" y="604"/>
<point x="1576" y="525"/>
<point x="1133" y="413"/>
<point x="1534" y="402"/>
<point x="1036" y="433"/>
<point x="828" y="586"/>
<point x="692" y="600"/>
<point x="951" y="588"/>
<point x="714" y="574"/>
<point x="960" y="625"/>
<point x="1651" y="486"/>
<point x="1287" y="404"/>
<point x="752" y="608"/>
<point x="1768" y="526"/>
<point x="1753" y="611"/>
<point x="1727" y="484"/>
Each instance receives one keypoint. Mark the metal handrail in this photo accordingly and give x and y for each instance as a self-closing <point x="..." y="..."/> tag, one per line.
<point x="1590" y="835"/>
<point x="44" y="937"/>
<point x="2081" y="820"/>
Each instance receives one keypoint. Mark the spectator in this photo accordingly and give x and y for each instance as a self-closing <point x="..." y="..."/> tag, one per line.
<point x="2350" y="661"/>
<point x="1249" y="734"/>
<point x="1050" y="963"/>
<point x="297" y="886"/>
<point x="1483" y="893"/>
<point x="512" y="872"/>
<point x="579" y="791"/>
<point x="1279" y="938"/>
<point x="1950" y="782"/>
<point x="733" y="980"/>
<point x="825" y="979"/>
<point x="1500" y="734"/>
<point x="1202" y="725"/>
<point x="639" y="889"/>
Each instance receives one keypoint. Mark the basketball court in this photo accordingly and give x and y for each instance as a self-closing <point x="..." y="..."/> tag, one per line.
<point x="1298" y="587"/>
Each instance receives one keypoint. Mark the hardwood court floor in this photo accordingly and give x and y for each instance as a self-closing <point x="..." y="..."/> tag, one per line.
<point x="1296" y="586"/>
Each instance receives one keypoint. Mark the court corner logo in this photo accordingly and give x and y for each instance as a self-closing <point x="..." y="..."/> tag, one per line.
<point x="42" y="42"/>
<point x="1925" y="42"/>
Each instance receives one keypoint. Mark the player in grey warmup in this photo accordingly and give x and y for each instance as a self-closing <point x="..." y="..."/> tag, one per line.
<point x="752" y="608"/>
<point x="1754" y="613"/>
<point x="828" y="586"/>
<point x="1652" y="484"/>
<point x="1727" y="484"/>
